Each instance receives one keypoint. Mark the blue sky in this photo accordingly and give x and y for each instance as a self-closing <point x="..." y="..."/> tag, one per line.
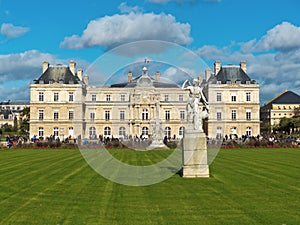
<point x="265" y="33"/>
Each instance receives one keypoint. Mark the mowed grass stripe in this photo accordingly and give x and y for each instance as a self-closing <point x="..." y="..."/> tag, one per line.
<point x="244" y="188"/>
<point x="35" y="179"/>
<point x="257" y="188"/>
<point x="36" y="169"/>
<point x="20" y="163"/>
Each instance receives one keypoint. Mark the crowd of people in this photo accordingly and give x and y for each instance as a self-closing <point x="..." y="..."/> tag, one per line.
<point x="270" y="140"/>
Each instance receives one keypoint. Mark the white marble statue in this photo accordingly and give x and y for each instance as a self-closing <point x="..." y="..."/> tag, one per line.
<point x="195" y="97"/>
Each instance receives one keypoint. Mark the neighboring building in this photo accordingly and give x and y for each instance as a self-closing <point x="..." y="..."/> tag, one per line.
<point x="6" y="117"/>
<point x="62" y="104"/>
<point x="11" y="109"/>
<point x="233" y="100"/>
<point x="14" y="106"/>
<point x="283" y="105"/>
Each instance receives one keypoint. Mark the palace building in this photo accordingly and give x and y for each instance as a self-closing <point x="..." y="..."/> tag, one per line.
<point x="63" y="104"/>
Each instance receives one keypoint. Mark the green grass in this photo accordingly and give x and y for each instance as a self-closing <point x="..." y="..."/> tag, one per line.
<point x="249" y="186"/>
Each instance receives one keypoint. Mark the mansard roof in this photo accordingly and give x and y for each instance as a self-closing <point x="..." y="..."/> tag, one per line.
<point x="57" y="74"/>
<point x="144" y="81"/>
<point x="232" y="74"/>
<point x="285" y="97"/>
<point x="6" y="113"/>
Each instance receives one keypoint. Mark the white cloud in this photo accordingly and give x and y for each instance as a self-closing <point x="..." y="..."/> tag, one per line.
<point x="275" y="70"/>
<point x="23" y="65"/>
<point x="124" y="8"/>
<point x="11" y="31"/>
<point x="178" y="75"/>
<point x="18" y="70"/>
<point x="111" y="31"/>
<point x="282" y="37"/>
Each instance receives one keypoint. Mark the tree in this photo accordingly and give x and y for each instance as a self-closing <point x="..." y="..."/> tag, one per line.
<point x="15" y="128"/>
<point x="24" y="121"/>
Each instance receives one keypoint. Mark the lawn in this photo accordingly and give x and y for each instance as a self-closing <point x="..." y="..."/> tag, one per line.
<point x="247" y="186"/>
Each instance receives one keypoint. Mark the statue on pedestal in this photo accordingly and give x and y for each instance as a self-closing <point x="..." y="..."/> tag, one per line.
<point x="196" y="97"/>
<point x="194" y="144"/>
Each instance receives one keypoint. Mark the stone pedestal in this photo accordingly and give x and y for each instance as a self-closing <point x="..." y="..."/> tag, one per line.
<point x="194" y="154"/>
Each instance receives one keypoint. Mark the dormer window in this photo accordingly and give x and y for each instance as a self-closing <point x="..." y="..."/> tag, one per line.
<point x="61" y="82"/>
<point x="219" y="82"/>
<point x="41" y="81"/>
<point x="50" y="81"/>
<point x="238" y="82"/>
<point x="71" y="82"/>
<point x="248" y="82"/>
<point x="228" y="82"/>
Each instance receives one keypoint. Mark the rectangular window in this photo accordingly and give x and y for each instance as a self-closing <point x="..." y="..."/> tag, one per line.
<point x="182" y="115"/>
<point x="71" y="96"/>
<point x="122" y="115"/>
<point x="92" y="115"/>
<point x="122" y="98"/>
<point x="248" y="97"/>
<point x="94" y="98"/>
<point x="219" y="97"/>
<point x="108" y="98"/>
<point x="41" y="114"/>
<point x="55" y="97"/>
<point x="219" y="115"/>
<point x="233" y="97"/>
<point x="166" y="98"/>
<point x="41" y="96"/>
<point x="248" y="115"/>
<point x="233" y="114"/>
<point x="180" y="98"/>
<point x="71" y="114"/>
<point x="167" y="115"/>
<point x="55" y="115"/>
<point x="107" y="115"/>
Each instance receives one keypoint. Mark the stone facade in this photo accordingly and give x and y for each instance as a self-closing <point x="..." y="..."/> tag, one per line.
<point x="120" y="111"/>
<point x="63" y="104"/>
<point x="234" y="102"/>
<point x="283" y="105"/>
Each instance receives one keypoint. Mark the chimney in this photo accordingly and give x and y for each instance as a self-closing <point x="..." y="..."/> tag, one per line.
<point x="86" y="79"/>
<point x="79" y="73"/>
<point x="243" y="66"/>
<point x="207" y="74"/>
<point x="157" y="76"/>
<point x="200" y="78"/>
<point x="217" y="67"/>
<point x="72" y="66"/>
<point x="129" y="76"/>
<point x="45" y="66"/>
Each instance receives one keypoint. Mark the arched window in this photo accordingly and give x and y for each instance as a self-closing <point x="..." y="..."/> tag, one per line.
<point x="145" y="132"/>
<point x="248" y="131"/>
<point x="219" y="133"/>
<point x="181" y="131"/>
<point x="71" y="132"/>
<point x="92" y="132"/>
<point x="168" y="132"/>
<point x="55" y="132"/>
<point x="145" y="114"/>
<point x="41" y="131"/>
<point x="107" y="131"/>
<point x="122" y="132"/>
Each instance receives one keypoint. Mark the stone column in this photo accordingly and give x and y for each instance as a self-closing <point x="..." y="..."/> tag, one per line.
<point x="194" y="154"/>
